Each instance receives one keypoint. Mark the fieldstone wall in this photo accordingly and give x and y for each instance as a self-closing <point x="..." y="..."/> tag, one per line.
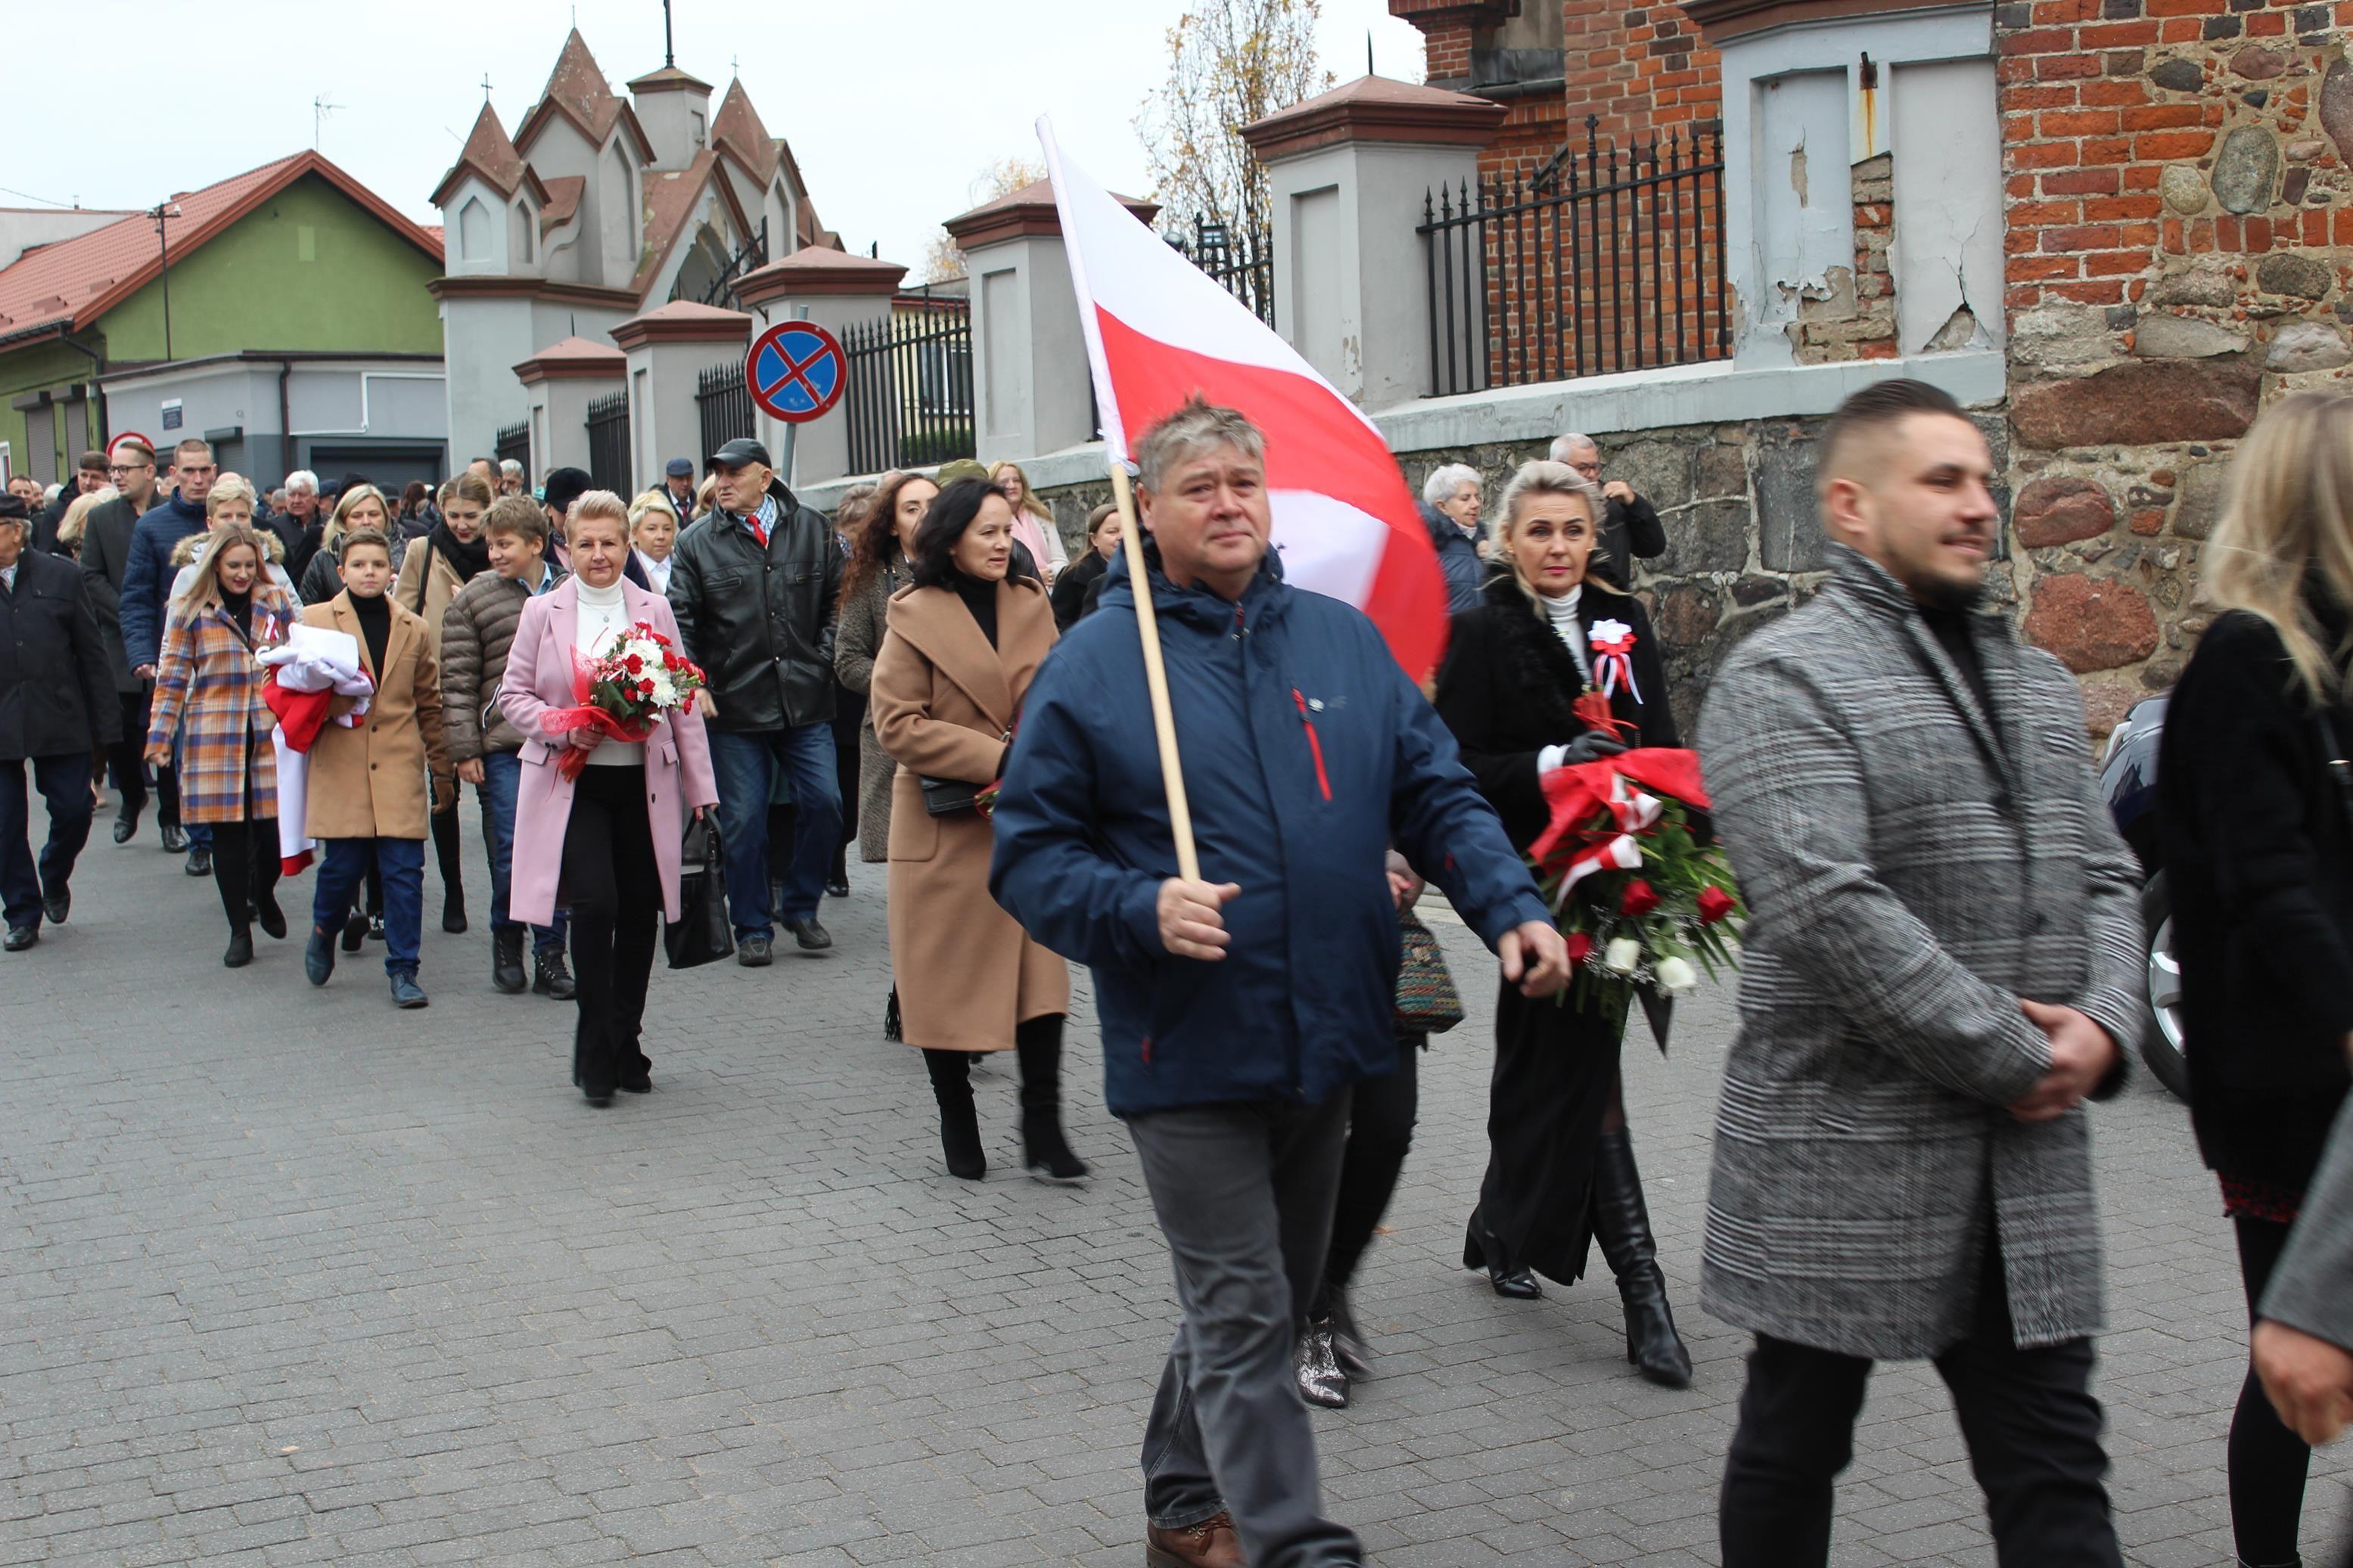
<point x="2180" y="248"/>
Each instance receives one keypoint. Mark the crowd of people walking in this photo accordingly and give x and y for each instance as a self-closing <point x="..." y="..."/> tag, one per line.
<point x="1942" y="964"/>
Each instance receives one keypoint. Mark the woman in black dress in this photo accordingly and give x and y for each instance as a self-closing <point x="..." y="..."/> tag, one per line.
<point x="1560" y="1169"/>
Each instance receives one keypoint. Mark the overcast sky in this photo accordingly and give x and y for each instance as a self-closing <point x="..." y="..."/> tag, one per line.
<point x="892" y="106"/>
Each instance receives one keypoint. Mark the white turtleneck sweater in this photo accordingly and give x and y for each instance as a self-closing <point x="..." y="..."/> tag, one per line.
<point x="604" y="615"/>
<point x="1562" y="612"/>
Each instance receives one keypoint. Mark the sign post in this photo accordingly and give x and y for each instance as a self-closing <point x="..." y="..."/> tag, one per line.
<point x="796" y="372"/>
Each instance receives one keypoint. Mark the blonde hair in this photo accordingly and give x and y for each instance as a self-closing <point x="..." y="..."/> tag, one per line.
<point x="330" y="536"/>
<point x="1547" y="477"/>
<point x="706" y="494"/>
<point x="203" y="588"/>
<point x="597" y="503"/>
<point x="2291" y="514"/>
<point x="76" y="517"/>
<point x="1029" y="501"/>
<point x="226" y="488"/>
<point x="651" y="501"/>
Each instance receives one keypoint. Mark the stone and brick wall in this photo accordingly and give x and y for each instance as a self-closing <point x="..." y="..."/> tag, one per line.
<point x="2180" y="251"/>
<point x="1852" y="316"/>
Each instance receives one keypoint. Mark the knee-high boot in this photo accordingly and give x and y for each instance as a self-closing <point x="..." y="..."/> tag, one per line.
<point x="959" y="1124"/>
<point x="453" y="885"/>
<point x="1044" y="1151"/>
<point x="1621" y="1224"/>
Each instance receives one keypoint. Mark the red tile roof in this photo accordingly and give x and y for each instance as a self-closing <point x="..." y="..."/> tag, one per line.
<point x="67" y="285"/>
<point x="670" y="198"/>
<point x="578" y="90"/>
<point x="737" y="127"/>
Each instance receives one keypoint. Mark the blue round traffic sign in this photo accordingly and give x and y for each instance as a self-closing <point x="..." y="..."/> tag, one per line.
<point x="796" y="371"/>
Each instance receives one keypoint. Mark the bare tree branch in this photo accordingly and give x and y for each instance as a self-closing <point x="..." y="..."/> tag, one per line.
<point x="1230" y="62"/>
<point x="943" y="258"/>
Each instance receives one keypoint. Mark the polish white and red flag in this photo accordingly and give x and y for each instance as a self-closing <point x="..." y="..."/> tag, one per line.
<point x="1159" y="330"/>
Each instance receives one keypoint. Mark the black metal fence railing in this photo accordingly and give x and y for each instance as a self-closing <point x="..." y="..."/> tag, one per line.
<point x="513" y="444"/>
<point x="910" y="394"/>
<point x="1607" y="261"/>
<point x="608" y="442"/>
<point x="752" y="253"/>
<point x="1241" y="264"/>
<point x="723" y="402"/>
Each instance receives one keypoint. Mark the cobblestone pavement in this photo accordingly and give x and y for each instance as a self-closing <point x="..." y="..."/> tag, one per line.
<point x="289" y="1277"/>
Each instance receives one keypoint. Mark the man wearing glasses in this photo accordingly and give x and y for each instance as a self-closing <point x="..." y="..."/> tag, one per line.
<point x="105" y="553"/>
<point x="1629" y="525"/>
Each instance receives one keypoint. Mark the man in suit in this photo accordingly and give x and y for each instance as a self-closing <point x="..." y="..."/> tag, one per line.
<point x="105" y="553"/>
<point x="57" y="705"/>
<point x="1943" y="953"/>
<point x="1631" y="528"/>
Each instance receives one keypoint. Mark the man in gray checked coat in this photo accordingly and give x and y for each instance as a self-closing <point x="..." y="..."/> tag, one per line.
<point x="1940" y="964"/>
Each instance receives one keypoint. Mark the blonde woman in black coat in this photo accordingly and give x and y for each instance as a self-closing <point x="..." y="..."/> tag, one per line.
<point x="1560" y="1169"/>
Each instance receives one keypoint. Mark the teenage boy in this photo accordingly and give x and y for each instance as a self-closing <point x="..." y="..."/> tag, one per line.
<point x="477" y="630"/>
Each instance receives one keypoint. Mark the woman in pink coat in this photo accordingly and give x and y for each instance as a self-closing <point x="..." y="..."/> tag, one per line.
<point x="606" y="843"/>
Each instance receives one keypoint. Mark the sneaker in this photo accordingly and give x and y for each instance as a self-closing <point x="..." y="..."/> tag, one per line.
<point x="406" y="992"/>
<point x="552" y="978"/>
<point x="813" y="937"/>
<point x="754" y="951"/>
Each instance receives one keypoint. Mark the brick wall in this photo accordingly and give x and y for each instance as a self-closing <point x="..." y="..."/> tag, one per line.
<point x="2179" y="247"/>
<point x="1639" y="69"/>
<point x="1853" y="315"/>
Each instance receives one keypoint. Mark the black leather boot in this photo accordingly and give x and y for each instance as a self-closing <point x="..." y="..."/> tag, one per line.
<point x="506" y="962"/>
<point x="1045" y="1153"/>
<point x="959" y="1124"/>
<point x="1621" y="1225"/>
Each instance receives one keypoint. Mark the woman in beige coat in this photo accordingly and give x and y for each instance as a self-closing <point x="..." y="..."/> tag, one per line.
<point x="452" y="555"/>
<point x="962" y="646"/>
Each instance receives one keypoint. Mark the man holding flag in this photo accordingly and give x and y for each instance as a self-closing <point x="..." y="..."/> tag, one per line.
<point x="1239" y="1006"/>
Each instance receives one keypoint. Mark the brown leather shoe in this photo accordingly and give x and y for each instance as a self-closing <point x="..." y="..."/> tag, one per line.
<point x="1211" y="1543"/>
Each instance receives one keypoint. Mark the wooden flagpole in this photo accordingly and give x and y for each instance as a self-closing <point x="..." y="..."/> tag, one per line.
<point x="1155" y="676"/>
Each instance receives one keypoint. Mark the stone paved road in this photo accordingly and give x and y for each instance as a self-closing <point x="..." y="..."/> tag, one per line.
<point x="286" y="1277"/>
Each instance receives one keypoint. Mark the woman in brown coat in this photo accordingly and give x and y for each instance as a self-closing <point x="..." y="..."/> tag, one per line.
<point x="366" y="793"/>
<point x="452" y="554"/>
<point x="963" y="644"/>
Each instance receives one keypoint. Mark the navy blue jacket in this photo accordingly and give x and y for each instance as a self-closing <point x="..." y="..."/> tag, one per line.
<point x="1458" y="557"/>
<point x="147" y="575"/>
<point x="1307" y="753"/>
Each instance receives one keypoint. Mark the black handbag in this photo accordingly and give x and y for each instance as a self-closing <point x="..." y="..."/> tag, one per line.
<point x="946" y="798"/>
<point x="2332" y="757"/>
<point x="702" y="933"/>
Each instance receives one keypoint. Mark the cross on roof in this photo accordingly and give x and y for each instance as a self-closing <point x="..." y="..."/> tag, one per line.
<point x="486" y="87"/>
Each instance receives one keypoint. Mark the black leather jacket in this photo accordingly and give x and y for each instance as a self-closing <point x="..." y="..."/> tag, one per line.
<point x="761" y="624"/>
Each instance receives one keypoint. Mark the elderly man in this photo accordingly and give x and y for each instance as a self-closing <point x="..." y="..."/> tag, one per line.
<point x="1238" y="1010"/>
<point x="1944" y="951"/>
<point x="754" y="591"/>
<point x="105" y="553"/>
<point x="90" y="477"/>
<point x="308" y="519"/>
<point x="57" y="705"/>
<point x="1629" y="525"/>
<point x="510" y="476"/>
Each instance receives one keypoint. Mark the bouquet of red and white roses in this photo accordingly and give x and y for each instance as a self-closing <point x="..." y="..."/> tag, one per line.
<point x="625" y="690"/>
<point x="1646" y="901"/>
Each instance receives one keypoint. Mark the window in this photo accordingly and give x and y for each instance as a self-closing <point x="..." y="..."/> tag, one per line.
<point x="473" y="231"/>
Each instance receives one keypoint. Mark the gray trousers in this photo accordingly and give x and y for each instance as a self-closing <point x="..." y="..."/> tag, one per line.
<point x="1244" y="1195"/>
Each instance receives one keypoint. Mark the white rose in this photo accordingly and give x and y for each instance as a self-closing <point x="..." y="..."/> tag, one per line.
<point x="1622" y="955"/>
<point x="1677" y="976"/>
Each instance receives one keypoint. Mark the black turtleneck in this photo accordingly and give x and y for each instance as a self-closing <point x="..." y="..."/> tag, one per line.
<point x="374" y="614"/>
<point x="240" y="610"/>
<point x="1950" y="626"/>
<point x="980" y="598"/>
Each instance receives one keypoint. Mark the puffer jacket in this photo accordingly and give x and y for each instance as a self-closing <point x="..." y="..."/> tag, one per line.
<point x="1458" y="558"/>
<point x="760" y="623"/>
<point x="1307" y="753"/>
<point x="147" y="575"/>
<point x="477" y="631"/>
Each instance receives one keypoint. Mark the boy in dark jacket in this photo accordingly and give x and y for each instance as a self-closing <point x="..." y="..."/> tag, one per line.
<point x="477" y="631"/>
<point x="1238" y="1010"/>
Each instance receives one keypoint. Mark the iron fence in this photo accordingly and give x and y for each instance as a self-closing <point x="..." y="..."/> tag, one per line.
<point x="724" y="404"/>
<point x="752" y="254"/>
<point x="608" y="442"/>
<point x="513" y="443"/>
<point x="1608" y="261"/>
<point x="1241" y="264"/>
<point x="910" y="394"/>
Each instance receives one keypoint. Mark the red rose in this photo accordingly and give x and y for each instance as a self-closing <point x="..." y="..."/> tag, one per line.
<point x="645" y="689"/>
<point x="1714" y="903"/>
<point x="1641" y="899"/>
<point x="635" y="664"/>
<point x="1580" y="947"/>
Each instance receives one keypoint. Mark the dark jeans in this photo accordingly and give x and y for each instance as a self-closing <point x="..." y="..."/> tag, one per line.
<point x="245" y="867"/>
<point x="614" y="885"/>
<point x="346" y="861"/>
<point x="2028" y="1417"/>
<point x="501" y="781"/>
<point x="747" y="766"/>
<point x="1380" y="1130"/>
<point x="1243" y="1193"/>
<point x="64" y="784"/>
<point x="2268" y="1462"/>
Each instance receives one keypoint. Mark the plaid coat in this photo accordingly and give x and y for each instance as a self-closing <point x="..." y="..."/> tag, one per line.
<point x="1913" y="869"/>
<point x="208" y="691"/>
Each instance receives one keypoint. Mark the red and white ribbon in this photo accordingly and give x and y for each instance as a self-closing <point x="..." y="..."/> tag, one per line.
<point x="1631" y="811"/>
<point x="1613" y="657"/>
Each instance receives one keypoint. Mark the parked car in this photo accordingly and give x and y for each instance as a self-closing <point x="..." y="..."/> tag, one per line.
<point x="2128" y="782"/>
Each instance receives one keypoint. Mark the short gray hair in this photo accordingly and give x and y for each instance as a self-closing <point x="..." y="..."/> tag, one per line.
<point x="301" y="479"/>
<point x="508" y="466"/>
<point x="1445" y="480"/>
<point x="1196" y="426"/>
<point x="1562" y="445"/>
